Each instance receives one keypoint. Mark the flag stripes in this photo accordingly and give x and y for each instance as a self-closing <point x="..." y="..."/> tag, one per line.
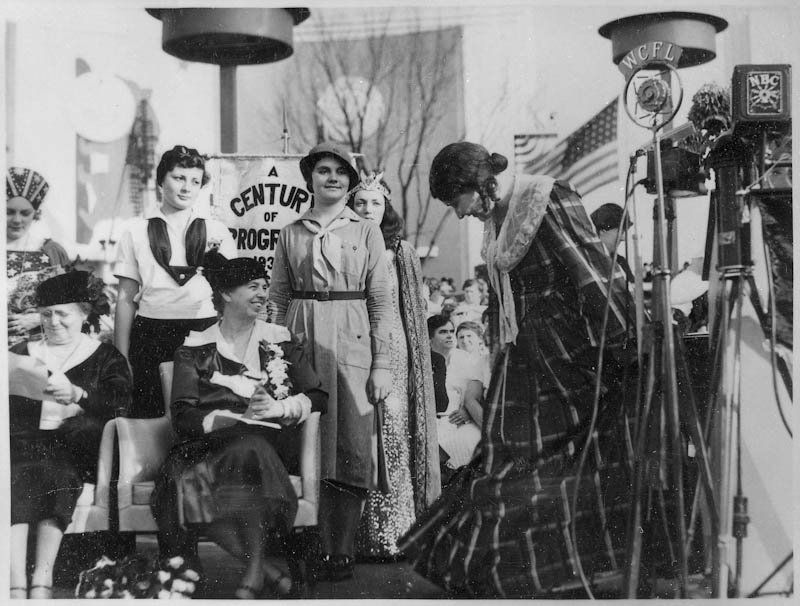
<point x="529" y="147"/>
<point x="587" y="158"/>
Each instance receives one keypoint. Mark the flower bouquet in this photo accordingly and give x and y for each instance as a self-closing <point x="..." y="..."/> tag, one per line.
<point x="136" y="576"/>
<point x="275" y="375"/>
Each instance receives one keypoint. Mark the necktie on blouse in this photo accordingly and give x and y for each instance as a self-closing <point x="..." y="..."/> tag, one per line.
<point x="326" y="247"/>
<point x="195" y="242"/>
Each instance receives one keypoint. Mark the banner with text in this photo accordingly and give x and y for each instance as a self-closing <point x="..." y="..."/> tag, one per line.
<point x="255" y="196"/>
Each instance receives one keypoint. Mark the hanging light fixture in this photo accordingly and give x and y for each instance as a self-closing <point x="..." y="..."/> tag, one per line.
<point x="229" y="36"/>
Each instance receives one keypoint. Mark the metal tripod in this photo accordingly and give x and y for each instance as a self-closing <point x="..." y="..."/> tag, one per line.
<point x="662" y="429"/>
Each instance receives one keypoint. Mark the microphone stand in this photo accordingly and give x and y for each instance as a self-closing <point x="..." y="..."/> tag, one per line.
<point x="659" y="445"/>
<point x="662" y="387"/>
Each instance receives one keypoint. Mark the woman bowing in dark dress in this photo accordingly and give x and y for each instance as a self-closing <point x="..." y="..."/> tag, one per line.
<point x="54" y="442"/>
<point x="503" y="526"/>
<point x="241" y="389"/>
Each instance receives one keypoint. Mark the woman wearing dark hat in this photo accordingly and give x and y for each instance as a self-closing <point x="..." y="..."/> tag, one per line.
<point x="330" y="288"/>
<point x="240" y="390"/>
<point x="162" y="292"/>
<point x="502" y="526"/>
<point x="55" y="441"/>
<point x="30" y="259"/>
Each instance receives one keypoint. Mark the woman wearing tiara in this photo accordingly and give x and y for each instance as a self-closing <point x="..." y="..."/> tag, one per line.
<point x="408" y="427"/>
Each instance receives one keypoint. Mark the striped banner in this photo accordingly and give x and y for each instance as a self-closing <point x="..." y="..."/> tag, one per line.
<point x="587" y="158"/>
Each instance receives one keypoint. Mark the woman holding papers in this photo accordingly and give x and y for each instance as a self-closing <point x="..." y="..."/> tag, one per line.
<point x="241" y="388"/>
<point x="63" y="390"/>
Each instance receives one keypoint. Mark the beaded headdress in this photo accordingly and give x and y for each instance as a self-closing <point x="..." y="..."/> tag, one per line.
<point x="26" y="183"/>
<point x="372" y="183"/>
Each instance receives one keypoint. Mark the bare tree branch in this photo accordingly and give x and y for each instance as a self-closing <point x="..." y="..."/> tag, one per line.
<point x="411" y="74"/>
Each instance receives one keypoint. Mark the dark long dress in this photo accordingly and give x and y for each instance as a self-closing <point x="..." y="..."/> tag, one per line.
<point x="230" y="472"/>
<point x="49" y="467"/>
<point x="501" y="527"/>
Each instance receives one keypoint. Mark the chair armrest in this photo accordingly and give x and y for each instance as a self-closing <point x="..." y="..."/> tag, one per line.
<point x="105" y="464"/>
<point x="310" y="458"/>
<point x="143" y="446"/>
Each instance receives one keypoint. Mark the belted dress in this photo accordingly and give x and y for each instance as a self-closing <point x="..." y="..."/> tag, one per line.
<point x="344" y="338"/>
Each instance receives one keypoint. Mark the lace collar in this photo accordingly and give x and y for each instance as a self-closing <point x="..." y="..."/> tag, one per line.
<point x="527" y="203"/>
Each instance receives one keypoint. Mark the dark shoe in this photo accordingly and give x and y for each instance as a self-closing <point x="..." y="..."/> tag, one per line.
<point x="342" y="567"/>
<point x="320" y="568"/>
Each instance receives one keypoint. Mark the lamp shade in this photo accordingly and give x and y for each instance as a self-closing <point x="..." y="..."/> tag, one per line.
<point x="228" y="36"/>
<point x="693" y="32"/>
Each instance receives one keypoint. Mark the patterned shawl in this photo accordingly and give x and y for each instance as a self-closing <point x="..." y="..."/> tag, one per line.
<point x="422" y="405"/>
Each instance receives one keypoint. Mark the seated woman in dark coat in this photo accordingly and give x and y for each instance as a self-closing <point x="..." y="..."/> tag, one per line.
<point x="55" y="440"/>
<point x="241" y="388"/>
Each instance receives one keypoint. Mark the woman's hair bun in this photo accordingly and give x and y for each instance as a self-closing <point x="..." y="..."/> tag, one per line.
<point x="498" y="162"/>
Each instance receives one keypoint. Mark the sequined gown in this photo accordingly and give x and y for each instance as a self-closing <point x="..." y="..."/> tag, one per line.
<point x="387" y="516"/>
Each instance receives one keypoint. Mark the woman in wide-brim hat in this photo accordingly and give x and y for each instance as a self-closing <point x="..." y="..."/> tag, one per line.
<point x="330" y="288"/>
<point x="55" y="441"/>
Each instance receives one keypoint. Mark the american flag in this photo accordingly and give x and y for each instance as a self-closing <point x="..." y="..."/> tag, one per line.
<point x="587" y="158"/>
<point x="529" y="147"/>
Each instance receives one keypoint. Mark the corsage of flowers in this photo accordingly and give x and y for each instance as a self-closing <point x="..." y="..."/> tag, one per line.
<point x="136" y="576"/>
<point x="275" y="375"/>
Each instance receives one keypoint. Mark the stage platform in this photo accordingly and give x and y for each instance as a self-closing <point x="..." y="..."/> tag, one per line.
<point x="394" y="580"/>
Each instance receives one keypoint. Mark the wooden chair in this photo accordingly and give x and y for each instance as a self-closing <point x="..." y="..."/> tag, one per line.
<point x="144" y="445"/>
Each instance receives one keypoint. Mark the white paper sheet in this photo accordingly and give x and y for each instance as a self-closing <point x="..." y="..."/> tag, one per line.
<point x="27" y="377"/>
